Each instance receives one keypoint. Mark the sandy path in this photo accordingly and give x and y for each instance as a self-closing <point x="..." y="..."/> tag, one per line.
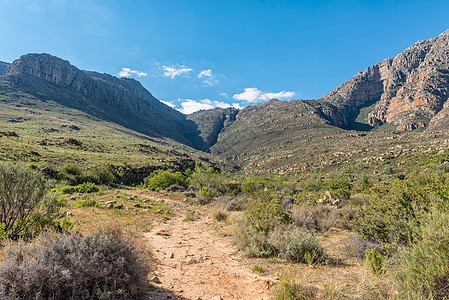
<point x="194" y="262"/>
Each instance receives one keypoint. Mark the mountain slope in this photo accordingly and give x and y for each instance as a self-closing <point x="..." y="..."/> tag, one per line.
<point x="397" y="95"/>
<point x="212" y="122"/>
<point x="3" y="67"/>
<point x="120" y="100"/>
<point x="409" y="90"/>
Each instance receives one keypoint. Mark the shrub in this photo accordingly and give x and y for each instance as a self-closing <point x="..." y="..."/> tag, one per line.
<point x="85" y="202"/>
<point x="102" y="265"/>
<point x="356" y="246"/>
<point x="302" y="216"/>
<point x="219" y="213"/>
<point x="25" y="209"/>
<point x="207" y="177"/>
<point x="290" y="289"/>
<point x="295" y="244"/>
<point x="101" y="175"/>
<point x="340" y="187"/>
<point x="86" y="187"/>
<point x="207" y="194"/>
<point x="374" y="261"/>
<point x="160" y="180"/>
<point x="424" y="267"/>
<point x="71" y="169"/>
<point x="235" y="205"/>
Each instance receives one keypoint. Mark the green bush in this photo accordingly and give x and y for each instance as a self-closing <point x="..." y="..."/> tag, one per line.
<point x="424" y="267"/>
<point x="102" y="265"/>
<point x="207" y="194"/>
<point x="160" y="180"/>
<point x="340" y="187"/>
<point x="25" y="208"/>
<point x="86" y="187"/>
<point x="374" y="261"/>
<point x="101" y="175"/>
<point x="85" y="202"/>
<point x="71" y="169"/>
<point x="207" y="177"/>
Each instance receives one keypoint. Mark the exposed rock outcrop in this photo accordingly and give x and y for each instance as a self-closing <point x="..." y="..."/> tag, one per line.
<point x="121" y="100"/>
<point x="410" y="88"/>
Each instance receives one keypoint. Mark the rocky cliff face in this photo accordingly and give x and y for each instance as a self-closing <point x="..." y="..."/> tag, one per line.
<point x="211" y="123"/>
<point x="410" y="89"/>
<point x="3" y="67"/>
<point x="121" y="100"/>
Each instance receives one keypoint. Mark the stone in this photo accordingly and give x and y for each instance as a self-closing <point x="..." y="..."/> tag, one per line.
<point x="111" y="202"/>
<point x="172" y="255"/>
<point x="137" y="205"/>
<point x="155" y="279"/>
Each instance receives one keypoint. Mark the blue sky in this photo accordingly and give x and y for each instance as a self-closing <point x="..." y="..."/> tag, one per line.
<point x="197" y="54"/>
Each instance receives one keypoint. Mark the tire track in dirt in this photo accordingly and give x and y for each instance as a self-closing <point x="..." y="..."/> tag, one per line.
<point x="194" y="262"/>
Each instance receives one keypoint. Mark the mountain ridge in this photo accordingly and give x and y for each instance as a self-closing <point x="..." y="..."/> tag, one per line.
<point x="125" y="101"/>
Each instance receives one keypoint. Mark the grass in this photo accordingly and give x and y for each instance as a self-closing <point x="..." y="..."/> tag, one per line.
<point x="89" y="212"/>
<point x="43" y="129"/>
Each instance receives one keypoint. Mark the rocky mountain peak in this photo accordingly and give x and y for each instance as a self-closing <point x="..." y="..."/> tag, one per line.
<point x="409" y="90"/>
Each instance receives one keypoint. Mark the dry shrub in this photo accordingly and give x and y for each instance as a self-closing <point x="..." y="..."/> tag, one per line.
<point x="292" y="288"/>
<point x="322" y="217"/>
<point x="219" y="213"/>
<point x="303" y="217"/>
<point x="356" y="246"/>
<point x="101" y="265"/>
<point x="295" y="244"/>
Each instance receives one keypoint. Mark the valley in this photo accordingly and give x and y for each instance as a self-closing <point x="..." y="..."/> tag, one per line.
<point x="343" y="197"/>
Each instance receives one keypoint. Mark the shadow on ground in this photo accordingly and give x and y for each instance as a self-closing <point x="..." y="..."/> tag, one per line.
<point x="159" y="293"/>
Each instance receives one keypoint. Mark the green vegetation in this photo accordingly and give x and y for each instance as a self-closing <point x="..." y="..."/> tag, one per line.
<point x="26" y="210"/>
<point x="86" y="187"/>
<point x="85" y="202"/>
<point x="159" y="180"/>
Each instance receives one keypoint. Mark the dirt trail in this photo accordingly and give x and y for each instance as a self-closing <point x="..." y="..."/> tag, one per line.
<point x="194" y="262"/>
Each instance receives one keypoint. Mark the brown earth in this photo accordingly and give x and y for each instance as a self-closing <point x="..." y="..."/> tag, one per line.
<point x="194" y="261"/>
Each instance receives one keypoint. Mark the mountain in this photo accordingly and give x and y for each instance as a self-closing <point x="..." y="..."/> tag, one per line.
<point x="367" y="114"/>
<point x="122" y="101"/>
<point x="409" y="90"/>
<point x="212" y="122"/>
<point x="3" y="67"/>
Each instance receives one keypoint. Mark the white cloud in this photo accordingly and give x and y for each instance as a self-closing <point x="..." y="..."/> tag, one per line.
<point x="224" y="94"/>
<point x="205" y="73"/>
<point x="172" y="72"/>
<point x="209" y="79"/>
<point x="189" y="106"/>
<point x="168" y="103"/>
<point x="253" y="95"/>
<point x="127" y="72"/>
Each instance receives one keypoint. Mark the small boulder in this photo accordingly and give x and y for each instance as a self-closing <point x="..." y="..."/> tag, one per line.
<point x="155" y="279"/>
